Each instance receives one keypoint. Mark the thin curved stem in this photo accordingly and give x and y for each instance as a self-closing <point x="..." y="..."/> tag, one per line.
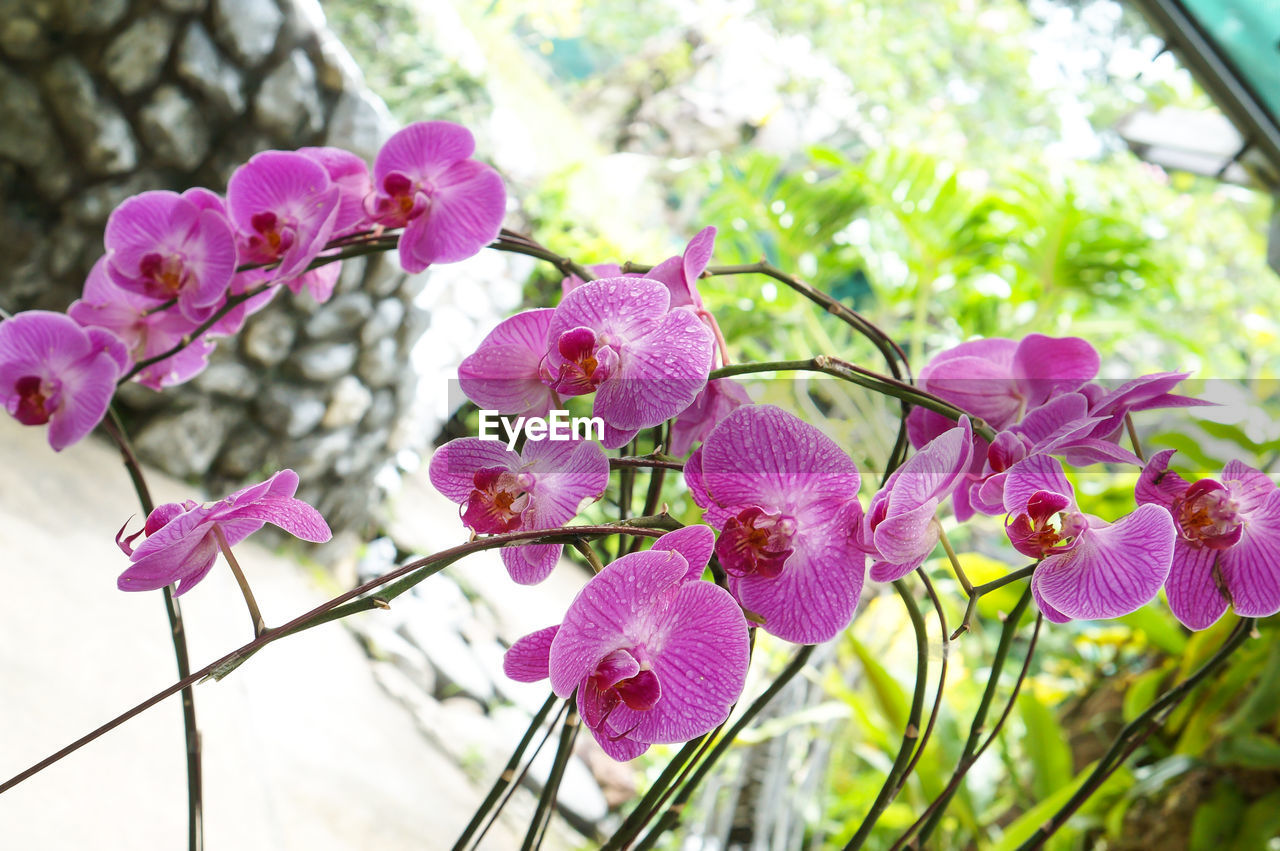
<point x="114" y="427"/>
<point x="255" y="614"/>
<point x="507" y="777"/>
<point x="547" y="800"/>
<point x="928" y="820"/>
<point x="340" y="606"/>
<point x="677" y="767"/>
<point x="1135" y="733"/>
<point x="518" y="243"/>
<point x="942" y="672"/>
<point x="348" y="250"/>
<point x="864" y="378"/>
<point x="977" y="592"/>
<point x="671" y="817"/>
<point x="645" y="462"/>
<point x="910" y="735"/>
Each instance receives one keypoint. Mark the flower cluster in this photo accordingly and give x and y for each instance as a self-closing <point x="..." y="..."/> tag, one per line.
<point x="793" y="537"/>
<point x="644" y="345"/>
<point x="652" y="651"/>
<point x="1209" y="543"/>
<point x="180" y="270"/>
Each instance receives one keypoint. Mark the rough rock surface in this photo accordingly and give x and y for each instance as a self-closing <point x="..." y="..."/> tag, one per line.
<point x="101" y="100"/>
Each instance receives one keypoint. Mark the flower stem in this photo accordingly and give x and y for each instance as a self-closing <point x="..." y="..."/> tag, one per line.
<point x="897" y="773"/>
<point x="259" y="625"/>
<point x="955" y="562"/>
<point x="929" y="819"/>
<point x="546" y="801"/>
<point x="404" y="577"/>
<point x="979" y="591"/>
<point x="1135" y="733"/>
<point x="863" y="378"/>
<point x="178" y="635"/>
<point x="671" y="817"/>
<point x="1133" y="437"/>
<point x="506" y="778"/>
<point x="518" y="243"/>
<point x="585" y="550"/>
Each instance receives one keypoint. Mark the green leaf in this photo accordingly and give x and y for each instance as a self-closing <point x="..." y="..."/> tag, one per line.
<point x="1217" y="819"/>
<point x="1252" y="750"/>
<point x="889" y="695"/>
<point x="1142" y="692"/>
<point x="1025" y="825"/>
<point x="1260" y="823"/>
<point x="1046" y="744"/>
<point x="1232" y="433"/>
<point x="1260" y="706"/>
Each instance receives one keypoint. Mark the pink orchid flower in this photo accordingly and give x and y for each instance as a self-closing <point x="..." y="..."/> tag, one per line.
<point x="720" y="397"/>
<point x="449" y="205"/>
<point x="785" y="498"/>
<point x="1090" y="568"/>
<point x="656" y="655"/>
<point x="144" y="330"/>
<point x="503" y="373"/>
<point x="163" y="246"/>
<point x="283" y="206"/>
<point x="1000" y="380"/>
<point x="541" y="487"/>
<point x="181" y="542"/>
<point x="619" y="338"/>
<point x="54" y="371"/>
<point x="900" y="530"/>
<point x="1227" y="550"/>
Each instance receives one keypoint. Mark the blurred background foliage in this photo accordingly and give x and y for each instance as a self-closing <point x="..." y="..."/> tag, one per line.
<point x="949" y="169"/>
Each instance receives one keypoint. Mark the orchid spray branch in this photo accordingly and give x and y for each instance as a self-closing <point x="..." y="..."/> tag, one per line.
<point x="676" y="770"/>
<point x="895" y="358"/>
<point x="977" y="592"/>
<point x="518" y="243"/>
<point x="928" y="820"/>
<point x="177" y="635"/>
<point x="1136" y="732"/>
<point x="346" y="250"/>
<point x="671" y="817"/>
<point x="863" y="378"/>
<point x="546" y="801"/>
<point x="942" y="673"/>
<point x="358" y="599"/>
<point x="508" y="779"/>
<point x="897" y="773"/>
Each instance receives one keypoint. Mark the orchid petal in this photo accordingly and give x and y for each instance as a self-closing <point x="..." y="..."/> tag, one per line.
<point x="1113" y="569"/>
<point x="453" y="466"/>
<point x="526" y="660"/>
<point x="1193" y="594"/>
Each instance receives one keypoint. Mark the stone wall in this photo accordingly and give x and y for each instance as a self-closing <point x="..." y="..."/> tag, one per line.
<point x="101" y="99"/>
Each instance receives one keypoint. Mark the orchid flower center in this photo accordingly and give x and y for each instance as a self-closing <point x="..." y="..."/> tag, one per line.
<point x="589" y="360"/>
<point x="273" y="236"/>
<point x="497" y="501"/>
<point x="400" y="201"/>
<point x="1208" y="516"/>
<point x="164" y="277"/>
<point x="756" y="543"/>
<point x="622" y="677"/>
<point x="1006" y="450"/>
<point x="1047" y="527"/>
<point x="37" y="400"/>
